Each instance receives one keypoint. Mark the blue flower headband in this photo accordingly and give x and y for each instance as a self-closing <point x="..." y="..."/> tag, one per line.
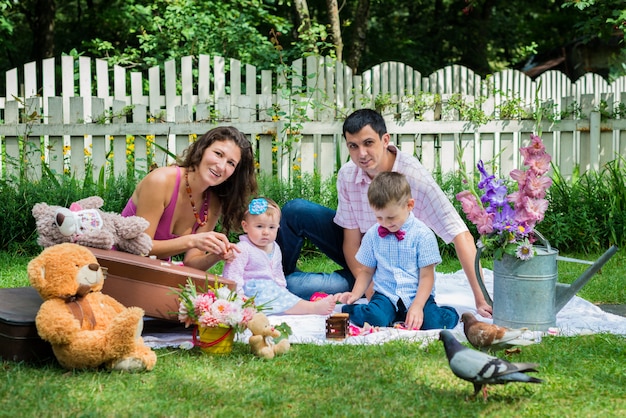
<point x="257" y="206"/>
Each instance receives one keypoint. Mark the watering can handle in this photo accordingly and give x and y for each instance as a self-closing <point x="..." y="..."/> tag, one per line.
<point x="479" y="276"/>
<point x="543" y="239"/>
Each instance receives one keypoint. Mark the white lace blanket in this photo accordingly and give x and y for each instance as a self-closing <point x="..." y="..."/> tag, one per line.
<point x="577" y="317"/>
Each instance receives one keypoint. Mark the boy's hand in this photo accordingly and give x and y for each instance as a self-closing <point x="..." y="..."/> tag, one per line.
<point x="347" y="297"/>
<point x="414" y="318"/>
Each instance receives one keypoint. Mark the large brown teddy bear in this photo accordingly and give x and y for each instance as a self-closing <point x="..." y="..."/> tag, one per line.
<point x="85" y="224"/>
<point x="85" y="327"/>
<point x="262" y="339"/>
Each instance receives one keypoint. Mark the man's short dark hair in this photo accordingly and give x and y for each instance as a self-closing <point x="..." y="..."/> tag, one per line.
<point x="359" y="119"/>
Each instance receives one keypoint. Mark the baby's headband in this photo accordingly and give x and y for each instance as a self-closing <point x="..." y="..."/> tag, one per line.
<point x="257" y="206"/>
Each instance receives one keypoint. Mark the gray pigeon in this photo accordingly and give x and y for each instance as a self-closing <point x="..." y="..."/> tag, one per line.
<point x="482" y="369"/>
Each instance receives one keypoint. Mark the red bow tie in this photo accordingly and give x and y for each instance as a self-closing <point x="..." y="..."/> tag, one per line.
<point x="383" y="232"/>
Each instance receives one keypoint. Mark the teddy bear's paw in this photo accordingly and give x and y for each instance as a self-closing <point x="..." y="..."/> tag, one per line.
<point x="128" y="322"/>
<point x="282" y="347"/>
<point x="266" y="353"/>
<point x="130" y="227"/>
<point x="96" y="239"/>
<point x="129" y="364"/>
<point x="140" y="245"/>
<point x="123" y="332"/>
<point x="92" y="202"/>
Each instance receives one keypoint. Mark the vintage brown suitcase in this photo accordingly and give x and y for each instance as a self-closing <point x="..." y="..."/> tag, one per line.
<point x="19" y="340"/>
<point x="149" y="283"/>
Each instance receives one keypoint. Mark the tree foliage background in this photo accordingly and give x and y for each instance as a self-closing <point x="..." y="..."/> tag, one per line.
<point x="484" y="35"/>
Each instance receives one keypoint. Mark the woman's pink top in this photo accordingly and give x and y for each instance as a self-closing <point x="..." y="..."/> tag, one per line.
<point x="165" y="223"/>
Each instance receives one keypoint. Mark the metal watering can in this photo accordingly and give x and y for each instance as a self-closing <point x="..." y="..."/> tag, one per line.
<point x="526" y="292"/>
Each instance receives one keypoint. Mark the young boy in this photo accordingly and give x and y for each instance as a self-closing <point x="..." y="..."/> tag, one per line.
<point x="399" y="254"/>
<point x="257" y="268"/>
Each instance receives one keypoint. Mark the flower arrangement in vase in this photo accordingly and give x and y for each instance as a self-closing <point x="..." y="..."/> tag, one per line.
<point x="217" y="312"/>
<point x="215" y="306"/>
<point x="506" y="219"/>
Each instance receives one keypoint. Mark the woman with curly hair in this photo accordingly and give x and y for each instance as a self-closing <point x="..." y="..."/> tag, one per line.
<point x="212" y="181"/>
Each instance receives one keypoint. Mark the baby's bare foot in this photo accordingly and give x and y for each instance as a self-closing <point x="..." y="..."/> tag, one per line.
<point x="324" y="306"/>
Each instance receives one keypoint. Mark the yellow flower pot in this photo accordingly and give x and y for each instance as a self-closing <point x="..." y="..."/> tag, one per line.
<point x="215" y="340"/>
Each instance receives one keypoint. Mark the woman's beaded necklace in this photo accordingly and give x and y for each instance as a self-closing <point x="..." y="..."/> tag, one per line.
<point x="193" y="204"/>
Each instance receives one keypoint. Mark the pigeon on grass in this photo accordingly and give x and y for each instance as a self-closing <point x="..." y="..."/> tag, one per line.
<point x="491" y="337"/>
<point x="482" y="369"/>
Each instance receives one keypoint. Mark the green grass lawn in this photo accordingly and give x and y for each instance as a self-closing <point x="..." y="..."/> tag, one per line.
<point x="583" y="376"/>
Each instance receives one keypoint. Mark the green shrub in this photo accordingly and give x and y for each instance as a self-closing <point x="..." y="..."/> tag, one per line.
<point x="586" y="214"/>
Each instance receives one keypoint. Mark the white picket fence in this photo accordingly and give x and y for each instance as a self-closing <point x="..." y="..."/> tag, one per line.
<point x="294" y="120"/>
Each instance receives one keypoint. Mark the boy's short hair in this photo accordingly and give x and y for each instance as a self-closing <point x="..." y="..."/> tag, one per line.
<point x="359" y="119"/>
<point x="387" y="188"/>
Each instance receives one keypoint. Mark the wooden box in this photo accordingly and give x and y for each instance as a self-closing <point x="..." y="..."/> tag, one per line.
<point x="149" y="283"/>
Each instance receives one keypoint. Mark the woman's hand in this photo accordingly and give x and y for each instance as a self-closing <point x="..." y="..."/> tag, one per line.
<point x="231" y="253"/>
<point x="211" y="242"/>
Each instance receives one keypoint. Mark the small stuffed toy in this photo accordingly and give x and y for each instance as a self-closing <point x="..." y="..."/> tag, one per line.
<point x="85" y="224"/>
<point x="86" y="328"/>
<point x="262" y="339"/>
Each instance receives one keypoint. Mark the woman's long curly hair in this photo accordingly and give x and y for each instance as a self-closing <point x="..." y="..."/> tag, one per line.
<point x="236" y="191"/>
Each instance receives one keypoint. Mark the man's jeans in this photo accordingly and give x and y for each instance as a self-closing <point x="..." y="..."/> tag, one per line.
<point x="303" y="219"/>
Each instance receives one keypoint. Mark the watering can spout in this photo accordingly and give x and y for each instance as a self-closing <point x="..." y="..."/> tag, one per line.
<point x="565" y="292"/>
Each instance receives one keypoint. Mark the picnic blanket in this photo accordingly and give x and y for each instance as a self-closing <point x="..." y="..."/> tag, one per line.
<point x="576" y="318"/>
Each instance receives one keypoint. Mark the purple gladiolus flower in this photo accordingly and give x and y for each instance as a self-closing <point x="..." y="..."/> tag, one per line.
<point x="506" y="219"/>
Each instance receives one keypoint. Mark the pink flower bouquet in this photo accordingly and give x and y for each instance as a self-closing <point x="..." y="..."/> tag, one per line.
<point x="215" y="306"/>
<point x="506" y="220"/>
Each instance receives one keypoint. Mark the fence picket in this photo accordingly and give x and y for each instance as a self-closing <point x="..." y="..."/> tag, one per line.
<point x="98" y="147"/>
<point x="55" y="146"/>
<point x="77" y="143"/>
<point x="102" y="82"/>
<point x="48" y="83"/>
<point x="32" y="144"/>
<point x="119" y="141"/>
<point x="136" y="89"/>
<point x="186" y="72"/>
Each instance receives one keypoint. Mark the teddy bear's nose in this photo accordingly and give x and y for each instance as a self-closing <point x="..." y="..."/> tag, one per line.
<point x="94" y="267"/>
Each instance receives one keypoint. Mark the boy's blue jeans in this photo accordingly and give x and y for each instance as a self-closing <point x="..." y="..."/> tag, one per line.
<point x="303" y="219"/>
<point x="381" y="312"/>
